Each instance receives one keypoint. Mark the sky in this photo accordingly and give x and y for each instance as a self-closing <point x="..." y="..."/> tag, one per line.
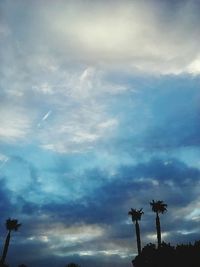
<point x="99" y="113"/>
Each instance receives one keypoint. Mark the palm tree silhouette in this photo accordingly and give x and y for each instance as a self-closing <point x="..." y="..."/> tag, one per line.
<point x="158" y="207"/>
<point x="136" y="216"/>
<point x="11" y="225"/>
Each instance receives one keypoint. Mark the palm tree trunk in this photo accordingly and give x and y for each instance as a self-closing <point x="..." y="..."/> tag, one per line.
<point x="5" y="249"/>
<point x="137" y="230"/>
<point x="158" y="228"/>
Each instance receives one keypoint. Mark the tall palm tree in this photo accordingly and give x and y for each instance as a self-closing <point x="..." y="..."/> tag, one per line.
<point x="158" y="207"/>
<point x="136" y="216"/>
<point x="11" y="225"/>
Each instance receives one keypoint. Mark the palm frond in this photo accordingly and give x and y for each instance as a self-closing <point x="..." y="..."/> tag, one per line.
<point x="12" y="224"/>
<point x="158" y="206"/>
<point x="136" y="214"/>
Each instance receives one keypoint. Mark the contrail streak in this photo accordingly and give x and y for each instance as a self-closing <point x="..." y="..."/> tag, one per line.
<point x="44" y="117"/>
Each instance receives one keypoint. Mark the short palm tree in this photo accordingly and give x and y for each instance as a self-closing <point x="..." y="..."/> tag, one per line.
<point x="158" y="207"/>
<point x="11" y="225"/>
<point x="136" y="216"/>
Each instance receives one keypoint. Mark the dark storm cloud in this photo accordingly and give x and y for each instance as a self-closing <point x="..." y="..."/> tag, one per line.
<point x="172" y="180"/>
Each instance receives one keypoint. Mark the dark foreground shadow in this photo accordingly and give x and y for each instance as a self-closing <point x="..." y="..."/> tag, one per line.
<point x="168" y="256"/>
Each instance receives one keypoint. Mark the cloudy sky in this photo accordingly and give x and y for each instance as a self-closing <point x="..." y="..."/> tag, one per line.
<point x="99" y="113"/>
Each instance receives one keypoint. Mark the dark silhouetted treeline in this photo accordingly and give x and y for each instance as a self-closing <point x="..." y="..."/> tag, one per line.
<point x="169" y="256"/>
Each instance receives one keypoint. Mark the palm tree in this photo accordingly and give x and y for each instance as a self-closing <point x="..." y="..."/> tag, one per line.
<point x="136" y="216"/>
<point x="158" y="207"/>
<point x="11" y="225"/>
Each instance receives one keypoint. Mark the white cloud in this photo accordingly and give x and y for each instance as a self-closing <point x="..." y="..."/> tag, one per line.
<point x="152" y="237"/>
<point x="148" y="36"/>
<point x="78" y="130"/>
<point x="62" y="241"/>
<point x="15" y="124"/>
<point x="60" y="238"/>
<point x="194" y="66"/>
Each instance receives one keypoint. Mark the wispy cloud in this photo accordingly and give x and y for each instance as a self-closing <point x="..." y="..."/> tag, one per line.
<point x="14" y="124"/>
